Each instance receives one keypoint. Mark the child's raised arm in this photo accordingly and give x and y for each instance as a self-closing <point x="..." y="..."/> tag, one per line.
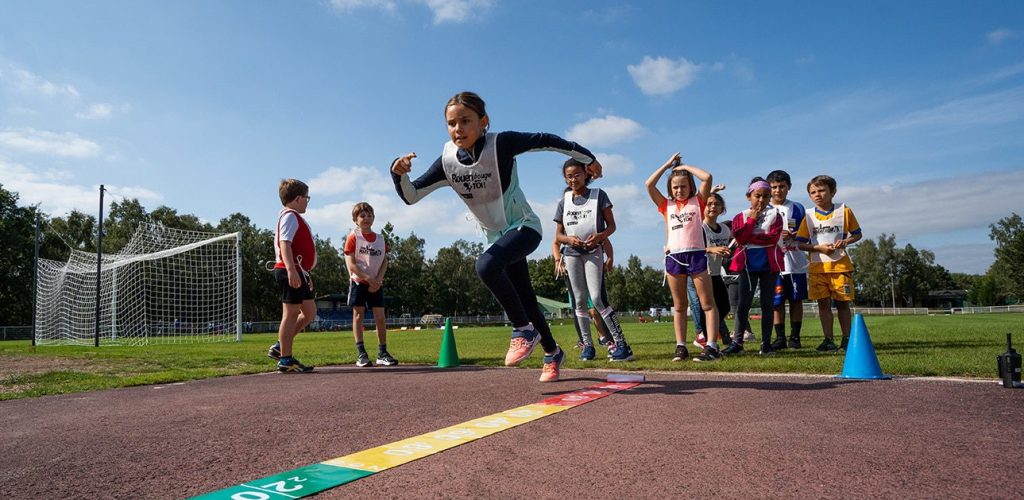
<point x="652" y="181"/>
<point x="705" y="180"/>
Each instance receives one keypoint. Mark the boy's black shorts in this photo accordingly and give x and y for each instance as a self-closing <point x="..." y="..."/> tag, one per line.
<point x="291" y="295"/>
<point x="359" y="295"/>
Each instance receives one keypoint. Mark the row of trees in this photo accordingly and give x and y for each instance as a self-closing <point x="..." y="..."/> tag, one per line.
<point x="887" y="274"/>
<point x="415" y="284"/>
<point x="447" y="284"/>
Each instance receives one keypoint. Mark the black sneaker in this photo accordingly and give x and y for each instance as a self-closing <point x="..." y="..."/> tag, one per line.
<point x="275" y="351"/>
<point x="827" y="346"/>
<point x="845" y="341"/>
<point x="794" y="342"/>
<point x="363" y="360"/>
<point x="766" y="350"/>
<point x="681" y="353"/>
<point x="733" y="348"/>
<point x="386" y="359"/>
<point x="779" y="344"/>
<point x="292" y="365"/>
<point x="709" y="354"/>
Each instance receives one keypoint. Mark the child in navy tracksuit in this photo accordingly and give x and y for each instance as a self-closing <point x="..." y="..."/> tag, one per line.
<point x="758" y="260"/>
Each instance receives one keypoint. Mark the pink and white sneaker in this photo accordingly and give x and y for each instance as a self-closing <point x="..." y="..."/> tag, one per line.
<point x="700" y="341"/>
<point x="552" y="364"/>
<point x="521" y="347"/>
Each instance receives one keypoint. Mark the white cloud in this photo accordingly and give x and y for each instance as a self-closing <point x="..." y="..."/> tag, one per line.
<point x="606" y="131"/>
<point x="633" y="208"/>
<point x="53" y="192"/>
<point x="95" y="112"/>
<point x="439" y="218"/>
<point x="663" y="75"/>
<point x="987" y="109"/>
<point x="49" y="143"/>
<point x="444" y="11"/>
<point x="338" y="180"/>
<point x="1000" y="35"/>
<point x="350" y="5"/>
<point x="29" y="82"/>
<point x="807" y="60"/>
<point x="740" y="68"/>
<point x="615" y="164"/>
<point x="933" y="207"/>
<point x="455" y="11"/>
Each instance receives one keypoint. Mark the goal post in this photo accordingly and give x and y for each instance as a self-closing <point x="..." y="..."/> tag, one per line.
<point x="165" y="286"/>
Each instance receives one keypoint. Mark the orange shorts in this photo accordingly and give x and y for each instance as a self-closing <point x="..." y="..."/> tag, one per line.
<point x="835" y="286"/>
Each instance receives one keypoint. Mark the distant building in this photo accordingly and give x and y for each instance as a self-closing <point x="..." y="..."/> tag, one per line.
<point x="945" y="299"/>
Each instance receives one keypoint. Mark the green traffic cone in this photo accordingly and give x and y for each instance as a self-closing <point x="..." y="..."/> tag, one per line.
<point x="449" y="356"/>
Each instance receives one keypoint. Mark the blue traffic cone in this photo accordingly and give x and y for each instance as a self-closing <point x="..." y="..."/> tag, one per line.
<point x="861" y="361"/>
<point x="449" y="355"/>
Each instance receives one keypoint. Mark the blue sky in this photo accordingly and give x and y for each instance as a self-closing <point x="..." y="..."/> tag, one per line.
<point x="916" y="108"/>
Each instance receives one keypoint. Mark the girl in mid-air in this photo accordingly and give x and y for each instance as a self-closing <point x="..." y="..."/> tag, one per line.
<point x="685" y="250"/>
<point x="481" y="167"/>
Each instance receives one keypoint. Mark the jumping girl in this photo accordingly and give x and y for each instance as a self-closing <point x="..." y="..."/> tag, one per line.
<point x="481" y="167"/>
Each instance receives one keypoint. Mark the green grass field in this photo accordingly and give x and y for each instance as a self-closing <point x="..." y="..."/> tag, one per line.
<point x="960" y="346"/>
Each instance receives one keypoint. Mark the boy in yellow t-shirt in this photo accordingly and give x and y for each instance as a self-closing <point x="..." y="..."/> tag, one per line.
<point x="825" y="234"/>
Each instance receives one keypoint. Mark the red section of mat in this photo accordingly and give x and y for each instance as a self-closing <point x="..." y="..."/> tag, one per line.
<point x="587" y="395"/>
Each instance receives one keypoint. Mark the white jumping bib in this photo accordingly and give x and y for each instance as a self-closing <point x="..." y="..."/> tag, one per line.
<point x="368" y="256"/>
<point x="796" y="261"/>
<point x="684" y="225"/>
<point x="823" y="232"/>
<point x="719" y="239"/>
<point x="580" y="220"/>
<point x="479" y="184"/>
<point x="764" y="223"/>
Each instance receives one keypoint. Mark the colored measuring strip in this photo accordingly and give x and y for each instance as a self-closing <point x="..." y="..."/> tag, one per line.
<point x="312" y="479"/>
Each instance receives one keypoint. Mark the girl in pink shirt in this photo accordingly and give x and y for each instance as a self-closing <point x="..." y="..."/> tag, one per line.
<point x="685" y="251"/>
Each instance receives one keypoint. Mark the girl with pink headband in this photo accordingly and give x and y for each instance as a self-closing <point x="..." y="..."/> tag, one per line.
<point x="758" y="259"/>
<point x="685" y="250"/>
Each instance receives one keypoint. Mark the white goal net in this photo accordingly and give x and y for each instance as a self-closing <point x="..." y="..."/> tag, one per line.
<point x="166" y="286"/>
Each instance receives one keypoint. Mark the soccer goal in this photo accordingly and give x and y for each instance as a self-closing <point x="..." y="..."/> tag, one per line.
<point x="165" y="286"/>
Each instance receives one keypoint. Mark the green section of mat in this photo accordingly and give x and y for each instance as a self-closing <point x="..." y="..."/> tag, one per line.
<point x="296" y="483"/>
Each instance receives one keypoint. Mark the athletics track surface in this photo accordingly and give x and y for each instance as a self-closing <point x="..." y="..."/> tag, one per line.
<point x="677" y="435"/>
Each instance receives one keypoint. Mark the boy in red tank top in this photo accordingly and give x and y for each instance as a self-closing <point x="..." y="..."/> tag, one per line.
<point x="296" y="257"/>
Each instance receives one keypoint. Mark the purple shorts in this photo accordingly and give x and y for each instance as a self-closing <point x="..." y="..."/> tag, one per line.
<point x="686" y="263"/>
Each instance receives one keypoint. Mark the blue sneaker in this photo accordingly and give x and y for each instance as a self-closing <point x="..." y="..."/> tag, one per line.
<point x="588" y="353"/>
<point x="292" y="365"/>
<point x="552" y="364"/>
<point x="275" y="351"/>
<point x="521" y="347"/>
<point x="622" y="352"/>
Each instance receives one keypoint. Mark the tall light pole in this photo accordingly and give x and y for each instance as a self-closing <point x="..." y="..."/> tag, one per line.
<point x="892" y="288"/>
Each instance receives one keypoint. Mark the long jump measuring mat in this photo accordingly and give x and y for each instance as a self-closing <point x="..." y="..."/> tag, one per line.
<point x="312" y="479"/>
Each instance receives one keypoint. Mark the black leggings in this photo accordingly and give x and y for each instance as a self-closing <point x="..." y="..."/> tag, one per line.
<point x="721" y="295"/>
<point x="505" y="272"/>
<point x="749" y="281"/>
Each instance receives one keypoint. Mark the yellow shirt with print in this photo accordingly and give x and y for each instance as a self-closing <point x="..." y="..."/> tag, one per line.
<point x="850" y="226"/>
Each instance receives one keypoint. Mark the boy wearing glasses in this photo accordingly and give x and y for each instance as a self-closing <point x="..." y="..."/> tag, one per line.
<point x="295" y="257"/>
